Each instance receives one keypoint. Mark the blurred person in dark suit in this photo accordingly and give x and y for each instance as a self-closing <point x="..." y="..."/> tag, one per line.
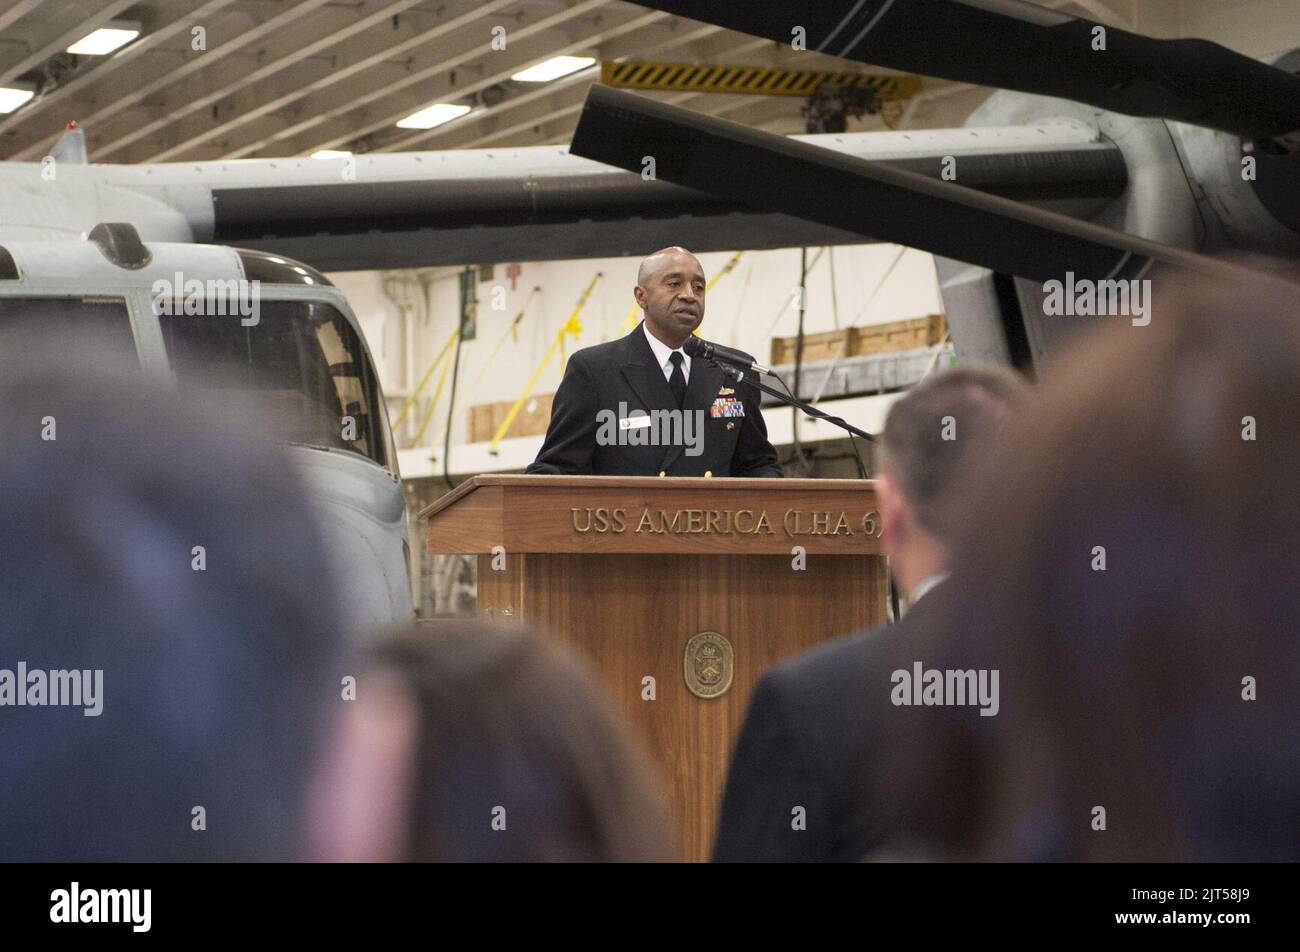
<point x="473" y="743"/>
<point x="163" y="570"/>
<point x="1133" y="572"/>
<point x="811" y="733"/>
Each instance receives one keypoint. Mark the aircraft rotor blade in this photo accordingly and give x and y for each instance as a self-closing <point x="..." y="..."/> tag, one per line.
<point x="775" y="173"/>
<point x="1015" y="45"/>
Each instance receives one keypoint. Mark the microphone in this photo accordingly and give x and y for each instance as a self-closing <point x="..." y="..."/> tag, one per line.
<point x="720" y="354"/>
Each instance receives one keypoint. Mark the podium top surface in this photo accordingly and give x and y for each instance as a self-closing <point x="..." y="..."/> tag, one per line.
<point x="656" y="484"/>
<point x="650" y="514"/>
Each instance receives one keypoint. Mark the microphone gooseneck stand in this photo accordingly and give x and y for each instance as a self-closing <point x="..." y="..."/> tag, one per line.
<point x="736" y="374"/>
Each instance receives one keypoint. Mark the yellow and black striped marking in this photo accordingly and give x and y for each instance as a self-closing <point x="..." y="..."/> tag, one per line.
<point x="748" y="79"/>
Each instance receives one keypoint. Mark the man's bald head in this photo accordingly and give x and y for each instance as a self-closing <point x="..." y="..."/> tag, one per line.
<point x="670" y="289"/>
<point x="664" y="257"/>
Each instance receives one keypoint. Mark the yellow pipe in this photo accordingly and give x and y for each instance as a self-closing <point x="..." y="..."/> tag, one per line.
<point x="410" y="401"/>
<point x="470" y="312"/>
<point x="511" y="331"/>
<point x="631" y="318"/>
<point x="437" y="395"/>
<point x="571" y="326"/>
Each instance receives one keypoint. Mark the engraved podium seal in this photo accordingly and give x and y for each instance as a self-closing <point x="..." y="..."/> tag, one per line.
<point x="710" y="662"/>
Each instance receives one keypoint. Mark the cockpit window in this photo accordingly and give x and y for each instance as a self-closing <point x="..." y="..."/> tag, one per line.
<point x="86" y="329"/>
<point x="299" y="368"/>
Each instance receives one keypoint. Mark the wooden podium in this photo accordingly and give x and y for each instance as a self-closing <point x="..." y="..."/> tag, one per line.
<point x="695" y="583"/>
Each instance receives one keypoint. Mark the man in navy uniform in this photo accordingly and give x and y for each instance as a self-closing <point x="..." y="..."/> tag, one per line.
<point x="608" y="417"/>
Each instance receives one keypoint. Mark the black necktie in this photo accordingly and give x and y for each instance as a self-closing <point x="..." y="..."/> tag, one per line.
<point x="678" y="379"/>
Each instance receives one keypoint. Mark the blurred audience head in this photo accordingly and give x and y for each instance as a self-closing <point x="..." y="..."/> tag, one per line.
<point x="164" y="581"/>
<point x="471" y="743"/>
<point x="1130" y="566"/>
<point x="929" y="435"/>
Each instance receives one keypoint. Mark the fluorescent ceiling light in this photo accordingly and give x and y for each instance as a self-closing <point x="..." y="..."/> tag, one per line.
<point x="330" y="154"/>
<point x="11" y="98"/>
<point x="104" y="40"/>
<point x="434" y="115"/>
<point x="554" y="68"/>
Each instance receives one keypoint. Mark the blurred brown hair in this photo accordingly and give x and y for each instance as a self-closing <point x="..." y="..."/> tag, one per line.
<point x="508" y="719"/>
<point x="1122" y="688"/>
<point x="926" y="461"/>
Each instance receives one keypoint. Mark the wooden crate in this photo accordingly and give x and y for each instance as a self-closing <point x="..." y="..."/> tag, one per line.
<point x="480" y="422"/>
<point x="533" y="418"/>
<point x="821" y="346"/>
<point x="899" y="335"/>
<point x="872" y="339"/>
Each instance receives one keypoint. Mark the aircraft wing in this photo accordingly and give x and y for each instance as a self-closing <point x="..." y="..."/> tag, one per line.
<point x="542" y="203"/>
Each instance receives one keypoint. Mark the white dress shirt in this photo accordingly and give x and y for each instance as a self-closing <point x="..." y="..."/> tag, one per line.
<point x="663" y="354"/>
<point x="925" y="585"/>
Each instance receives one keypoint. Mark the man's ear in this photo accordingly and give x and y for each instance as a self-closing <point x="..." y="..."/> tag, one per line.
<point x="895" y="513"/>
<point x="638" y="292"/>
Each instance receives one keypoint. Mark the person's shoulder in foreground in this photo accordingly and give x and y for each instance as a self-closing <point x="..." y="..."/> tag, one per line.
<point x="799" y="784"/>
<point x="795" y="792"/>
